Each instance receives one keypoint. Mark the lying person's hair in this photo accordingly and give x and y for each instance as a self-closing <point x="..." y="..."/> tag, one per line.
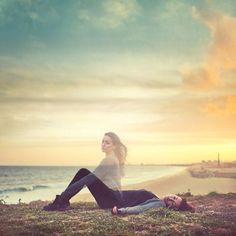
<point x="185" y="206"/>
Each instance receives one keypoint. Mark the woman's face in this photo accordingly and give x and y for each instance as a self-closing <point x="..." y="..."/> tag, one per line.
<point x="107" y="145"/>
<point x="172" y="201"/>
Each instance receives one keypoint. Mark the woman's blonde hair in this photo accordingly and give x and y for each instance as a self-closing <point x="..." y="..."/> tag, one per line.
<point x="120" y="150"/>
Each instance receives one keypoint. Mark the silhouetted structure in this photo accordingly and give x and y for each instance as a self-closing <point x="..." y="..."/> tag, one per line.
<point x="218" y="159"/>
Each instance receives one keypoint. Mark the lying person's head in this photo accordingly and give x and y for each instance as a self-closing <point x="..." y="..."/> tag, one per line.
<point x="177" y="203"/>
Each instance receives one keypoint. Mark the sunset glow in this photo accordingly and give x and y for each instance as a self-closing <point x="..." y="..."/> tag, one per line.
<point x="161" y="74"/>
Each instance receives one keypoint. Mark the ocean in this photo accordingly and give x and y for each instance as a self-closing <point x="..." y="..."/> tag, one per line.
<point x="31" y="183"/>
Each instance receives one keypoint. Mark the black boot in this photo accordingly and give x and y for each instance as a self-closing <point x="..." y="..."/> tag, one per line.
<point x="57" y="205"/>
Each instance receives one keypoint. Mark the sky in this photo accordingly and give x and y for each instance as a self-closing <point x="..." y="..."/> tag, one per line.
<point x="160" y="74"/>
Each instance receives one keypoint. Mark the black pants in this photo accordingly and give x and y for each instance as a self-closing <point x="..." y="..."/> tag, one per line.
<point x="104" y="196"/>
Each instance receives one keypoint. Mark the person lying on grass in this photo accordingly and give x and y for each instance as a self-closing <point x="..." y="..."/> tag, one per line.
<point x="128" y="201"/>
<point x="171" y="201"/>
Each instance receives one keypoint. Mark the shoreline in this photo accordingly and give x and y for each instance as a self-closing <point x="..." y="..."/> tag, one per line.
<point x="175" y="183"/>
<point x="180" y="182"/>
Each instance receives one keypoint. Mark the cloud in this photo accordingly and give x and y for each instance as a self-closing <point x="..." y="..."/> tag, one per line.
<point x="202" y="77"/>
<point x="14" y="124"/>
<point x="222" y="108"/>
<point x="24" y="80"/>
<point x="51" y="81"/>
<point x="27" y="12"/>
<point x="114" y="13"/>
<point x="170" y="8"/>
<point x="221" y="54"/>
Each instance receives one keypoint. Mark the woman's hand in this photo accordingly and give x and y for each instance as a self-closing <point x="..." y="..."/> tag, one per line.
<point x="114" y="210"/>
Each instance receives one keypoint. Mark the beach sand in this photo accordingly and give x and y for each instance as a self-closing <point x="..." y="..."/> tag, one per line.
<point x="179" y="183"/>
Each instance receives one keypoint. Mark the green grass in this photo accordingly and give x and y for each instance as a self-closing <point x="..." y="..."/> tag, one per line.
<point x="88" y="219"/>
<point x="212" y="194"/>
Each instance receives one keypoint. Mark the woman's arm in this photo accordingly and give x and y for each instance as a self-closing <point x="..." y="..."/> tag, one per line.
<point x="151" y="203"/>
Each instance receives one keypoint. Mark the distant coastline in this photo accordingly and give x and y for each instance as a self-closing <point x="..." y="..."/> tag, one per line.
<point x="208" y="163"/>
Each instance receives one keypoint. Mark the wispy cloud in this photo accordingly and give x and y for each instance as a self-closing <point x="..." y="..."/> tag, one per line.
<point x="21" y="81"/>
<point x="170" y="8"/>
<point x="26" y="12"/>
<point x="114" y="13"/>
<point x="221" y="54"/>
<point x="14" y="124"/>
<point x="224" y="107"/>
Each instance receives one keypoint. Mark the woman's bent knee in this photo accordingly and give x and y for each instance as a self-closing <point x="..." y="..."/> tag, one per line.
<point x="84" y="171"/>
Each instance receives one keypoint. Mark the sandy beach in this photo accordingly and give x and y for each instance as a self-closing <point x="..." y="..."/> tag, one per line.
<point x="179" y="183"/>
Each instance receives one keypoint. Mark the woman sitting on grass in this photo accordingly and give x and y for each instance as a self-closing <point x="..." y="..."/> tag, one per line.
<point x="109" y="171"/>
